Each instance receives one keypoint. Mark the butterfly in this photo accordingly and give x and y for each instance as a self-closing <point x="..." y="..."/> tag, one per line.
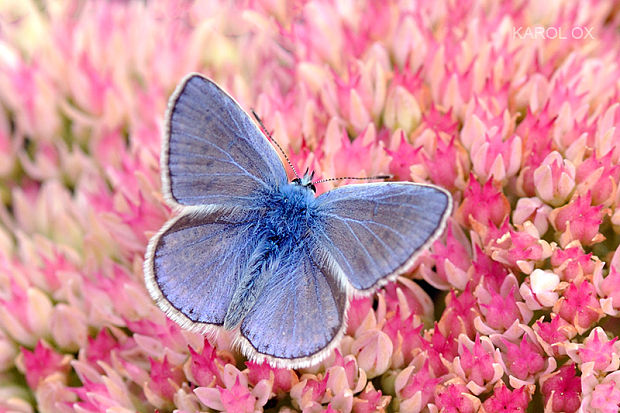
<point x="263" y="257"/>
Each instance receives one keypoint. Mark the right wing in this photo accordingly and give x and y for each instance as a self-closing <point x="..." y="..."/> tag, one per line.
<point x="375" y="231"/>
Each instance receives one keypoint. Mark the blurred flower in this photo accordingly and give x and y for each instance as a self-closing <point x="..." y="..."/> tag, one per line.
<point x="554" y="179"/>
<point x="605" y="398"/>
<point x="42" y="363"/>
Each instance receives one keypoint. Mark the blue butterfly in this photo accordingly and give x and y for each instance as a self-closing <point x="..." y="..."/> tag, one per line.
<point x="253" y="253"/>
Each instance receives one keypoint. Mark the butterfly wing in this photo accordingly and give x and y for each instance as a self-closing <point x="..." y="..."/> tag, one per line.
<point x="375" y="231"/>
<point x="300" y="315"/>
<point x="212" y="151"/>
<point x="192" y="265"/>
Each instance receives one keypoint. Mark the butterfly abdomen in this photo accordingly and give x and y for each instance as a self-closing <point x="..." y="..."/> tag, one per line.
<point x="279" y="231"/>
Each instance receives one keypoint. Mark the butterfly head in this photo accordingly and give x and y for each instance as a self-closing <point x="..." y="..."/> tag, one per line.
<point x="305" y="181"/>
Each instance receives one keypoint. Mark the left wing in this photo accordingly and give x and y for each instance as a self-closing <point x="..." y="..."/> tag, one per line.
<point x="192" y="265"/>
<point x="213" y="154"/>
<point x="375" y="231"/>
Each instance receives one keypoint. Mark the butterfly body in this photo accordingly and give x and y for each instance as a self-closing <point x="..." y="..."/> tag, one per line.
<point x="282" y="224"/>
<point x="264" y="257"/>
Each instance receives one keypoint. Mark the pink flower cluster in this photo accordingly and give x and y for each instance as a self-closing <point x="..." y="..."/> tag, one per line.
<point x="515" y="307"/>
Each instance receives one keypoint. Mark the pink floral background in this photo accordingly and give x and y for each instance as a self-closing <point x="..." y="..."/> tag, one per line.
<point x="513" y="106"/>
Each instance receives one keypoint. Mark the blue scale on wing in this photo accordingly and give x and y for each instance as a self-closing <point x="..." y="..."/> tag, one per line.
<point x="300" y="311"/>
<point x="216" y="155"/>
<point x="197" y="261"/>
<point x="373" y="230"/>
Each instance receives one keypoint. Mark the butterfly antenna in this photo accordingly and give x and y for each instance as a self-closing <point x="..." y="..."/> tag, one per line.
<point x="357" y="178"/>
<point x="260" y="122"/>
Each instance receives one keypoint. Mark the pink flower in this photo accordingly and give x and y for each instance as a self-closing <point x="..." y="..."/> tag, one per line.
<point x="523" y="360"/>
<point x="402" y="110"/>
<point x="236" y="395"/>
<point x="579" y="305"/>
<point x="452" y="261"/>
<point x="522" y="131"/>
<point x="597" y="348"/>
<point x="554" y="333"/>
<point x="504" y="400"/>
<point x="605" y="398"/>
<point x="578" y="221"/>
<point x="405" y="337"/>
<point x="535" y="130"/>
<point x="599" y="177"/>
<point x="438" y="120"/>
<point x="237" y="399"/>
<point x="459" y="314"/>
<point x="408" y="297"/>
<point x="500" y="310"/>
<point x="554" y="179"/>
<point x="309" y="392"/>
<point x="491" y="273"/>
<point x="403" y="158"/>
<point x="361" y="154"/>
<point x="447" y="163"/>
<point x="282" y="379"/>
<point x="42" y="363"/>
<point x="205" y="368"/>
<point x="370" y="400"/>
<point x="520" y="250"/>
<point x="416" y="380"/>
<point x="533" y="210"/>
<point x="541" y="290"/>
<point x="26" y="314"/>
<point x="455" y="398"/>
<point x="497" y="158"/>
<point x="572" y="263"/>
<point x="562" y="390"/>
<point x="496" y="208"/>
<point x="373" y="350"/>
<point x="358" y="311"/>
<point x="100" y="348"/>
<point x="477" y="363"/>
<point x="610" y="286"/>
<point x="165" y="379"/>
<point x="440" y="348"/>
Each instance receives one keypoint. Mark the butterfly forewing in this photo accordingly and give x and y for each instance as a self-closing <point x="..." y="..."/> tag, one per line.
<point x="374" y="231"/>
<point x="213" y="153"/>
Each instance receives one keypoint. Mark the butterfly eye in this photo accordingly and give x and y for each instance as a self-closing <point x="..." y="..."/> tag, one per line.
<point x="296" y="181"/>
<point x="311" y="186"/>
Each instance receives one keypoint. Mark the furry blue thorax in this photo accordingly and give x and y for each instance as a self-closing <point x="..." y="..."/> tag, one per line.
<point x="290" y="209"/>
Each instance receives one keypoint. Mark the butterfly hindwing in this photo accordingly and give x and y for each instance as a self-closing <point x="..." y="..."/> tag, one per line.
<point x="192" y="266"/>
<point x="213" y="153"/>
<point x="375" y="231"/>
<point x="300" y="314"/>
